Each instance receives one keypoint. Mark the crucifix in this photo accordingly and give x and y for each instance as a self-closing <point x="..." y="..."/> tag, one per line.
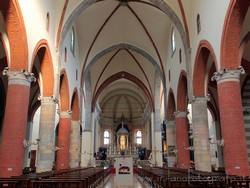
<point x="155" y="151"/>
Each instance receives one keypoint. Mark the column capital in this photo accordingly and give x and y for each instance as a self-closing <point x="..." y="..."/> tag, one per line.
<point x="199" y="99"/>
<point x="228" y="74"/>
<point x="64" y="114"/>
<point x="21" y="77"/>
<point x="48" y="99"/>
<point x="180" y="114"/>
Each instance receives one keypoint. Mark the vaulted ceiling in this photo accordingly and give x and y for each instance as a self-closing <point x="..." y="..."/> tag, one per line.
<point x="123" y="44"/>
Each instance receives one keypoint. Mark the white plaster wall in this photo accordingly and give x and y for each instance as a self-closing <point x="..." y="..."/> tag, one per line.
<point x="34" y="15"/>
<point x="173" y="63"/>
<point x="212" y="15"/>
<point x="72" y="64"/>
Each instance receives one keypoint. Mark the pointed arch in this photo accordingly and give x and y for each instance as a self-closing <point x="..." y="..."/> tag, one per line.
<point x="182" y="92"/>
<point x="64" y="91"/>
<point x="204" y="51"/>
<point x="123" y="75"/>
<point x="7" y="60"/>
<point x="16" y="31"/>
<point x="75" y="106"/>
<point x="171" y="105"/>
<point x="230" y="40"/>
<point x="42" y="51"/>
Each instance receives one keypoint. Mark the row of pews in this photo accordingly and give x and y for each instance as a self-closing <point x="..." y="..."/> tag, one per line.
<point x="88" y="177"/>
<point x="158" y="177"/>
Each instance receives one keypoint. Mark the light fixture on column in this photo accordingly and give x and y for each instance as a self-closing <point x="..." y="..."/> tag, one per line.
<point x="246" y="110"/>
<point x="5" y="71"/>
<point x="218" y="142"/>
<point x="173" y="150"/>
<point x="55" y="148"/>
<point x="80" y="122"/>
<point x="191" y="148"/>
<point x="27" y="143"/>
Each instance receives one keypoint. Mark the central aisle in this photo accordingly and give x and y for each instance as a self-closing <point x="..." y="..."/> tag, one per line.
<point x="111" y="183"/>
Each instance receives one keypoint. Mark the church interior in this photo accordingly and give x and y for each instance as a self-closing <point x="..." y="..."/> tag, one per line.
<point x="86" y="83"/>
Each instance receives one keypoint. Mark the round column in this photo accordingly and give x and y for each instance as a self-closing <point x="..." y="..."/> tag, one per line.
<point x="75" y="145"/>
<point x="15" y="122"/>
<point x="46" y="145"/>
<point x="62" y="161"/>
<point x="182" y="142"/>
<point x="232" y="123"/>
<point x="201" y="134"/>
<point x="171" y="143"/>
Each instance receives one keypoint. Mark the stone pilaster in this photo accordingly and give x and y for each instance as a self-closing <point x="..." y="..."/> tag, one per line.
<point x="157" y="141"/>
<point x="15" y="122"/>
<point x="86" y="155"/>
<point x="46" y="145"/>
<point x="28" y="137"/>
<point x="171" y="133"/>
<point x="232" y="122"/>
<point x="171" y="143"/>
<point x="75" y="146"/>
<point x="201" y="134"/>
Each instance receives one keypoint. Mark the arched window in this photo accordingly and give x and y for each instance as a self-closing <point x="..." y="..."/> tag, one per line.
<point x="173" y="42"/>
<point x="65" y="54"/>
<point x="198" y="22"/>
<point x="106" y="137"/>
<point x="72" y="41"/>
<point x="138" y="137"/>
<point x="47" y="21"/>
<point x="180" y="58"/>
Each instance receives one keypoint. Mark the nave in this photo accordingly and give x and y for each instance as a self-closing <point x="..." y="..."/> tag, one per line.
<point x="143" y="177"/>
<point x="110" y="183"/>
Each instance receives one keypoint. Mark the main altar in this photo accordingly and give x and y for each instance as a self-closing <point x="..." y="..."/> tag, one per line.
<point x="116" y="152"/>
<point x="123" y="144"/>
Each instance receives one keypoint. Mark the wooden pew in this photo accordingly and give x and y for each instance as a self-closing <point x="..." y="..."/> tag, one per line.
<point x="10" y="183"/>
<point x="51" y="183"/>
<point x="84" y="177"/>
<point x="181" y="178"/>
<point x="90" y="177"/>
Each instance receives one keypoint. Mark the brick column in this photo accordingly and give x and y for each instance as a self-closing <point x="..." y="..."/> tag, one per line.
<point x="232" y="123"/>
<point x="75" y="145"/>
<point x="201" y="134"/>
<point x="183" y="155"/>
<point x="15" y="122"/>
<point x="62" y="161"/>
<point x="46" y="145"/>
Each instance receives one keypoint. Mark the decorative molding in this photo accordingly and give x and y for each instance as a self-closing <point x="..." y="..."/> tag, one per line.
<point x="179" y="114"/>
<point x="21" y="77"/>
<point x="228" y="74"/>
<point x="64" y="114"/>
<point x="27" y="143"/>
<point x="48" y="99"/>
<point x="199" y="99"/>
<point x="218" y="142"/>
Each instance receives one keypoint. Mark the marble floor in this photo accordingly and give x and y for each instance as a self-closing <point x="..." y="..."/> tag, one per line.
<point x="110" y="183"/>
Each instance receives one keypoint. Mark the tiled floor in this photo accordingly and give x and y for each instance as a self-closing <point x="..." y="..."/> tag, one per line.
<point x="110" y="183"/>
